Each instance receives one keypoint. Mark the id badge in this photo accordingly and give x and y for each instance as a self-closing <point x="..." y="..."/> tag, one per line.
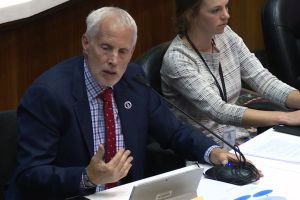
<point x="229" y="135"/>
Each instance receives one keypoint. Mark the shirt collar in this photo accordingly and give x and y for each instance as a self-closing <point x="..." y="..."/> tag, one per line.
<point x="93" y="88"/>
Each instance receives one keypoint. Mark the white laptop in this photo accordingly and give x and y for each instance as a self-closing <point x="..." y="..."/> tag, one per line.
<point x="180" y="184"/>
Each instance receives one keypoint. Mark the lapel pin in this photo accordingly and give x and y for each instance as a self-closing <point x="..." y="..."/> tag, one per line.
<point x="127" y="104"/>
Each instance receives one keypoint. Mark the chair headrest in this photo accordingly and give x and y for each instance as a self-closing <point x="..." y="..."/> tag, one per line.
<point x="151" y="62"/>
<point x="284" y="13"/>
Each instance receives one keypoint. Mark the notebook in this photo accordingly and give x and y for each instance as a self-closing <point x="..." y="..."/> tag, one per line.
<point x="175" y="185"/>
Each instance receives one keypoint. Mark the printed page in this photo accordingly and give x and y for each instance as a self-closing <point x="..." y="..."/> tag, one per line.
<point x="274" y="145"/>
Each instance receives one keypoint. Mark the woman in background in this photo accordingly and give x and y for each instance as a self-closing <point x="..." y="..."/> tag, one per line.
<point x="203" y="69"/>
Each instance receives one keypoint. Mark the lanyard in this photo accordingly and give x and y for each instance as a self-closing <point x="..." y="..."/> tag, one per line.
<point x="222" y="92"/>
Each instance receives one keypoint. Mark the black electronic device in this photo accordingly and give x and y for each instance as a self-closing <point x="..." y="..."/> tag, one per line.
<point x="292" y="130"/>
<point x="240" y="173"/>
<point x="232" y="173"/>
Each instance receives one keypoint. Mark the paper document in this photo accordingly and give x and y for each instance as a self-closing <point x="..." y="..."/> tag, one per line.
<point x="274" y="145"/>
<point x="221" y="191"/>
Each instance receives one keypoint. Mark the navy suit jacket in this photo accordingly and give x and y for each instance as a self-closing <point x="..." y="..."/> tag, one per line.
<point x="55" y="131"/>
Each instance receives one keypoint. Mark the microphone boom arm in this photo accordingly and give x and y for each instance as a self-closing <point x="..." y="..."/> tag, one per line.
<point x="235" y="148"/>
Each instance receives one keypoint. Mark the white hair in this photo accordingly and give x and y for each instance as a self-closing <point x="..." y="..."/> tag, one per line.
<point x="98" y="15"/>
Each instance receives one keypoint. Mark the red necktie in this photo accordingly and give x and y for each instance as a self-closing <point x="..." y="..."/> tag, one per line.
<point x="110" y="131"/>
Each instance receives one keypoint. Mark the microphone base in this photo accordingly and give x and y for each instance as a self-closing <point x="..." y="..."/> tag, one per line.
<point x="239" y="174"/>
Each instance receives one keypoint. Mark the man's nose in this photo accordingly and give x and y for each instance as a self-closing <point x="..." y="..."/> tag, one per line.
<point x="113" y="57"/>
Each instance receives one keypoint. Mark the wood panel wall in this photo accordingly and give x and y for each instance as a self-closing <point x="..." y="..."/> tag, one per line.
<point x="30" y="46"/>
<point x="245" y="19"/>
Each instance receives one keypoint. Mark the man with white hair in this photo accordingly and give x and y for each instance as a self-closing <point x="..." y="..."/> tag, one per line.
<point x="84" y="124"/>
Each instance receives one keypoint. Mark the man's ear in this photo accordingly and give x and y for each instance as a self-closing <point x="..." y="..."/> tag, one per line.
<point x="84" y="42"/>
<point x="133" y="49"/>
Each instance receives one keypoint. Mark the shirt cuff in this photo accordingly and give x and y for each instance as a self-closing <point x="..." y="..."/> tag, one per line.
<point x="207" y="153"/>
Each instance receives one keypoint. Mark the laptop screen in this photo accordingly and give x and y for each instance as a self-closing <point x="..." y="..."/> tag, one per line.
<point x="178" y="184"/>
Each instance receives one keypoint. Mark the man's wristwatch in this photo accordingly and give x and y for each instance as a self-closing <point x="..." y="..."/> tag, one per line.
<point x="86" y="183"/>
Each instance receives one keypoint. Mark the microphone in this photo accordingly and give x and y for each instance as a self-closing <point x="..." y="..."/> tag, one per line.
<point x="241" y="173"/>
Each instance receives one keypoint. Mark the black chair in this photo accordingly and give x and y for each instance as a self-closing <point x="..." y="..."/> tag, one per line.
<point x="8" y="147"/>
<point x="281" y="32"/>
<point x="158" y="160"/>
<point x="151" y="62"/>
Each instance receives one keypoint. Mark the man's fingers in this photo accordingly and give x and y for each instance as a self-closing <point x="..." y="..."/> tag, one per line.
<point x="112" y="171"/>
<point x="120" y="157"/>
<point x="121" y="163"/>
<point x="126" y="170"/>
<point x="99" y="154"/>
<point x="126" y="166"/>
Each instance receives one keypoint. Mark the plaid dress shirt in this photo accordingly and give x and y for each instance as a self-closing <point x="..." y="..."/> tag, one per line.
<point x="96" y="107"/>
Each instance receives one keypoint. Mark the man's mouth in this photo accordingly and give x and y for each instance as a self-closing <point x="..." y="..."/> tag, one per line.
<point x="109" y="72"/>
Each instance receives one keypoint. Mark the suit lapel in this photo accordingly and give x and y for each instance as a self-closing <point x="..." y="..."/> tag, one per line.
<point x="81" y="107"/>
<point x="126" y="106"/>
<point x="133" y="124"/>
